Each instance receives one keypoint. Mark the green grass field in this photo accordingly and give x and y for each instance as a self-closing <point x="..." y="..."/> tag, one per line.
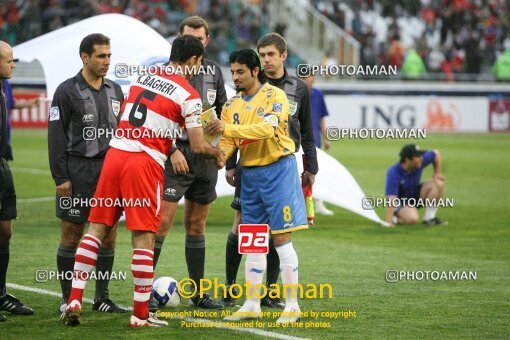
<point x="348" y="252"/>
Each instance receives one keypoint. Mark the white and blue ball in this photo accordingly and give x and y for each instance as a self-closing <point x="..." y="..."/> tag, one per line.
<point x="166" y="292"/>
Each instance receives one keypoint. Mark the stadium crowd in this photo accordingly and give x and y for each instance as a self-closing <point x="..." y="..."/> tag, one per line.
<point x="446" y="37"/>
<point x="22" y="20"/>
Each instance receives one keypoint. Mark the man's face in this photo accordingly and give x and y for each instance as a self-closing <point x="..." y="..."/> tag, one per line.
<point x="417" y="160"/>
<point x="6" y="62"/>
<point x="198" y="33"/>
<point x="192" y="66"/>
<point x="414" y="162"/>
<point x="99" y="62"/>
<point x="272" y="60"/>
<point x="242" y="76"/>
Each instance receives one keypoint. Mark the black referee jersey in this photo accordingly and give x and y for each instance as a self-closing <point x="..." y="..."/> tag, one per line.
<point x="77" y="114"/>
<point x="3" y="122"/>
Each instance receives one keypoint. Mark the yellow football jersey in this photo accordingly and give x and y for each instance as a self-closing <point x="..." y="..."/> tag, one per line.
<point x="258" y="127"/>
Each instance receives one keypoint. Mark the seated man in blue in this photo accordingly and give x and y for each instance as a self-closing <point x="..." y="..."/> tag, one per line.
<point x="403" y="181"/>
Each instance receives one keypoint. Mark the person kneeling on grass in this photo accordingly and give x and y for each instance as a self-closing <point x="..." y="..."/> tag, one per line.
<point x="403" y="183"/>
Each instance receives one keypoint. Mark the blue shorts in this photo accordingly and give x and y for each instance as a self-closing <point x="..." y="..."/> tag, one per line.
<point x="272" y="195"/>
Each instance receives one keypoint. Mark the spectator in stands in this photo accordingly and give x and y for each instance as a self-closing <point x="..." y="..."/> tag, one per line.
<point x="468" y="33"/>
<point x="473" y="55"/>
<point x="447" y="70"/>
<point x="501" y="68"/>
<point x="413" y="67"/>
<point x="435" y="59"/>
<point x="396" y="53"/>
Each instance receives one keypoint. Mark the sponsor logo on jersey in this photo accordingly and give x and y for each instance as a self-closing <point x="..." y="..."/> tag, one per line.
<point x="170" y="191"/>
<point x="211" y="96"/>
<point x="253" y="239"/>
<point x="247" y="141"/>
<point x="277" y="107"/>
<point x="87" y="118"/>
<point x="115" y="107"/>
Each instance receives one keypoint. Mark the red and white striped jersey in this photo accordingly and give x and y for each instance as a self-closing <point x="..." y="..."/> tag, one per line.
<point x="156" y="108"/>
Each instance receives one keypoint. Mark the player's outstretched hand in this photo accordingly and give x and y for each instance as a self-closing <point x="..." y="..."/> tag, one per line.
<point x="308" y="178"/>
<point x="179" y="163"/>
<point x="214" y="127"/>
<point x="65" y="189"/>
<point x="229" y="176"/>
<point x="219" y="158"/>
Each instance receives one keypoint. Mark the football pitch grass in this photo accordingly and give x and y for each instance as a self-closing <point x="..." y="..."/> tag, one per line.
<point x="345" y="250"/>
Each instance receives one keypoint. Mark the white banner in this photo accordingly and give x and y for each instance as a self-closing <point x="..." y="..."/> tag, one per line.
<point x="436" y="114"/>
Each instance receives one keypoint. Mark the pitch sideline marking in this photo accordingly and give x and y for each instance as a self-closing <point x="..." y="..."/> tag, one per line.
<point x="36" y="199"/>
<point x="32" y="171"/>
<point x="216" y="324"/>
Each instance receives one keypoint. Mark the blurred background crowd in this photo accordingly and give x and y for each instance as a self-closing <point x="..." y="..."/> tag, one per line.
<point x="444" y="37"/>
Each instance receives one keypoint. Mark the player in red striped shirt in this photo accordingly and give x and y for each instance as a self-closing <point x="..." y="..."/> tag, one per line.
<point x="133" y="172"/>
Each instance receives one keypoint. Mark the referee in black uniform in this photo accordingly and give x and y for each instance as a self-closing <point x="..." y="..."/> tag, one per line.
<point x="272" y="49"/>
<point x="7" y="194"/>
<point x="193" y="176"/>
<point x="84" y="106"/>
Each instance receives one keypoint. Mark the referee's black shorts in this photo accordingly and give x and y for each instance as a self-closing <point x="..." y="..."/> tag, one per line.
<point x="198" y="185"/>
<point x="84" y="174"/>
<point x="236" y="203"/>
<point x="7" y="193"/>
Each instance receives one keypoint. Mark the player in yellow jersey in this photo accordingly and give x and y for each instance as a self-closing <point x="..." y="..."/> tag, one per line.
<point x="256" y="122"/>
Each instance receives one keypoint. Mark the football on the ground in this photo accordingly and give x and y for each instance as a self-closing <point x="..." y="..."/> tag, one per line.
<point x="166" y="292"/>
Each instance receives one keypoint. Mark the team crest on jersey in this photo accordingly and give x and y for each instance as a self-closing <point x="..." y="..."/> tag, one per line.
<point x="292" y="107"/>
<point x="115" y="107"/>
<point x="260" y="111"/>
<point x="211" y="96"/>
<point x="277" y="107"/>
<point x="54" y="113"/>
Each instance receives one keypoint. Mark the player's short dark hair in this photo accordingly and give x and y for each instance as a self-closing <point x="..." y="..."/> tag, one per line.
<point x="249" y="58"/>
<point x="194" y="22"/>
<point x="87" y="44"/>
<point x="184" y="47"/>
<point x="409" y="151"/>
<point x="273" y="39"/>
